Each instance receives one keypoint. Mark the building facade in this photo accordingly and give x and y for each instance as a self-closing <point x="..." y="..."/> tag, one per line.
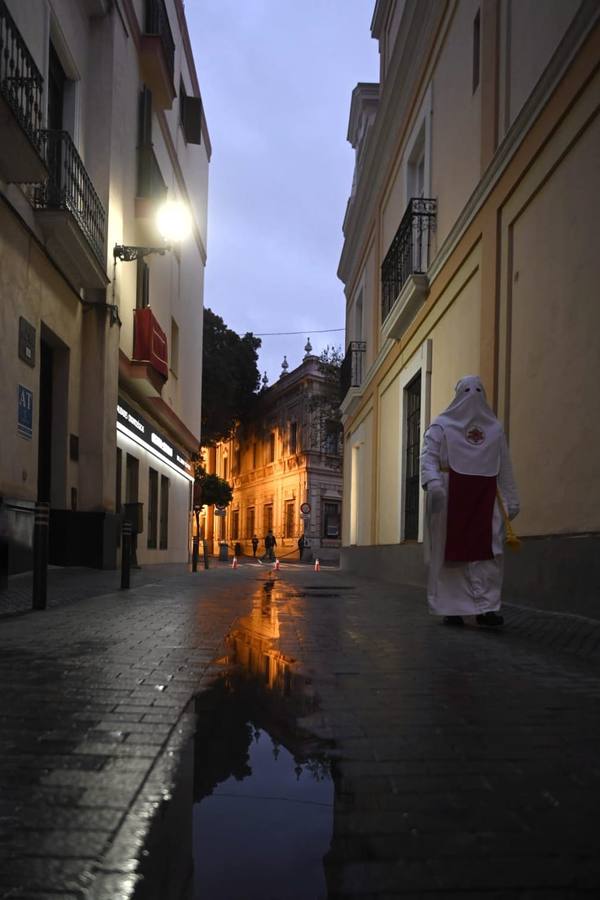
<point x="285" y="467"/>
<point x="101" y="122"/>
<point x="469" y="248"/>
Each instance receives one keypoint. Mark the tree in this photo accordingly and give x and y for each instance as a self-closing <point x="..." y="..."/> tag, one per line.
<point x="230" y="378"/>
<point x="209" y="489"/>
<point x="324" y="408"/>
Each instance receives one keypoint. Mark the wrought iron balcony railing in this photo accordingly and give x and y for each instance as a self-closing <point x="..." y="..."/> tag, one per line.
<point x="409" y="252"/>
<point x="157" y="23"/>
<point x="20" y="79"/>
<point x="69" y="187"/>
<point x="351" y="373"/>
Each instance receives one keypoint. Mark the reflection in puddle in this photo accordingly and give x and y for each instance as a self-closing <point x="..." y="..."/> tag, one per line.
<point x="262" y="815"/>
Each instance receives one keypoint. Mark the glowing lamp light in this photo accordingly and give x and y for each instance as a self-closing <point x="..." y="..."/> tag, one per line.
<point x="174" y="222"/>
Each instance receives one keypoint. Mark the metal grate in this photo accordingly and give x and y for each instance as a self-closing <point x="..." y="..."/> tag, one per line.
<point x="69" y="187"/>
<point x="413" y="441"/>
<point x="351" y="373"/>
<point x="21" y="82"/>
<point x="409" y="251"/>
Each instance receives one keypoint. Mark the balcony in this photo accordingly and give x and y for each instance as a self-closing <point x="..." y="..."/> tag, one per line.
<point x="69" y="212"/>
<point x="404" y="282"/>
<point x="351" y="375"/>
<point x="21" y="87"/>
<point x="157" y="54"/>
<point x="149" y="367"/>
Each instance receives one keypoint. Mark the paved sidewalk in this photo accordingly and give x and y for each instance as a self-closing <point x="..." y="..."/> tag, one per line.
<point x="466" y="762"/>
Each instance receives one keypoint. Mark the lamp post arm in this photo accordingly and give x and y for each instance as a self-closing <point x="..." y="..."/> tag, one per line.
<point x="128" y="253"/>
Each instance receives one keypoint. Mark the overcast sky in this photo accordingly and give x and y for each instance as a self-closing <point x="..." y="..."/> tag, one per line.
<point x="276" y="78"/>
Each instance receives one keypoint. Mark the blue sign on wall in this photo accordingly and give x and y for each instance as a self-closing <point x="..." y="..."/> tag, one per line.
<point x="25" y="415"/>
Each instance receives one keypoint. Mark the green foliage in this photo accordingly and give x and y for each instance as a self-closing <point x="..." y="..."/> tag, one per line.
<point x="214" y="490"/>
<point x="230" y="378"/>
<point x="209" y="489"/>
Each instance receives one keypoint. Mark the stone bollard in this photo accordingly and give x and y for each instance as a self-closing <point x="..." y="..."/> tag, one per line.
<point x="40" y="555"/>
<point x="195" y="553"/>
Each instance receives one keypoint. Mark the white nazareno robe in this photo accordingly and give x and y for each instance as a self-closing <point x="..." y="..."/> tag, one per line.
<point x="462" y="588"/>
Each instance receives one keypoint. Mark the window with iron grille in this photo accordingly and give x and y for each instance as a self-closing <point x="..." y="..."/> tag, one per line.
<point x="412" y="398"/>
<point x="267" y="517"/>
<point x="290" y="512"/>
<point x="250" y="521"/>
<point x="293" y="437"/>
<point x="235" y="524"/>
<point x="164" y="512"/>
<point x="152" y="508"/>
<point x="331" y="519"/>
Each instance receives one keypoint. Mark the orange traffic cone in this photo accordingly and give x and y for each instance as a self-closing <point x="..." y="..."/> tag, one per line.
<point x="234" y="563"/>
<point x="317" y="565"/>
<point x="277" y="566"/>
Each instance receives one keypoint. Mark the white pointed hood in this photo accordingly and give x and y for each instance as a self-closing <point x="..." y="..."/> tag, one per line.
<point x="472" y="431"/>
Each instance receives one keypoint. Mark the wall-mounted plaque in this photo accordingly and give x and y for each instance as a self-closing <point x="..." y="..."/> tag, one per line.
<point x="26" y="342"/>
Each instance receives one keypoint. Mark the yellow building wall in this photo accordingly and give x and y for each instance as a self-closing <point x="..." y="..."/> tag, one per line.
<point x="554" y="353"/>
<point x="31" y="287"/>
<point x="390" y="442"/>
<point x="456" y="338"/>
<point x="456" y="128"/>
<point x="524" y="58"/>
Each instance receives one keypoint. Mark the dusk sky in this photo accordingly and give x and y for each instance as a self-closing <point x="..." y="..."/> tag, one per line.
<point x="276" y="78"/>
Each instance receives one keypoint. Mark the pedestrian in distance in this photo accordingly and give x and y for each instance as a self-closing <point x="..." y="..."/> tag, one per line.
<point x="300" y="546"/>
<point x="254" y="545"/>
<point x="270" y="544"/>
<point x="471" y="497"/>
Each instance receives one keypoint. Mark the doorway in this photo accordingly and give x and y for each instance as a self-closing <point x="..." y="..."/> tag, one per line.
<point x="412" y="396"/>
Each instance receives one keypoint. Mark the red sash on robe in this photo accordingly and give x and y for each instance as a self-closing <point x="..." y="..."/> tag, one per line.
<point x="471" y="501"/>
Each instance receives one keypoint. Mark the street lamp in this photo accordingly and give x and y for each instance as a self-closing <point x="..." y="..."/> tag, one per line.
<point x="174" y="224"/>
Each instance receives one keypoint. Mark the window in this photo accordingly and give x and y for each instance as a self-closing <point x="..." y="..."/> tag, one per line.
<point x="412" y="400"/>
<point x="150" y="183"/>
<point x="254" y="455"/>
<point x="190" y="115"/>
<point x="271" y="451"/>
<point x="237" y="461"/>
<point x="293" y="437"/>
<point x="290" y="509"/>
<point x="174" y="355"/>
<point x="331" y="519"/>
<point x="132" y="470"/>
<point x="225" y="467"/>
<point x="235" y="524"/>
<point x="118" y="481"/>
<point x="164" y="512"/>
<point x="152" y="508"/>
<point x="358" y="318"/>
<point x="267" y="517"/>
<point x="476" y="49"/>
<point x="250" y="521"/>
<point x="331" y="437"/>
<point x="142" y="299"/>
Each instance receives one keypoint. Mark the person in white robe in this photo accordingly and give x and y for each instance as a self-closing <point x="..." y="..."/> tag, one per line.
<point x="467" y="473"/>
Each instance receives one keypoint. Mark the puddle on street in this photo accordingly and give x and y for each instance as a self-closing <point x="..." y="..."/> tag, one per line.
<point x="253" y="800"/>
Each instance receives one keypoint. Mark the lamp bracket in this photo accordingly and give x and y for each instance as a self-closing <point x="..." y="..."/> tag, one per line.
<point x="128" y="253"/>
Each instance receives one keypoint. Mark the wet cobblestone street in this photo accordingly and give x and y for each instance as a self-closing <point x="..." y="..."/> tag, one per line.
<point x="465" y="763"/>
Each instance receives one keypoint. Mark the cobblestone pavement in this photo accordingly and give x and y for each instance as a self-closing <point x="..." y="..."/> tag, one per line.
<point x="465" y="762"/>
